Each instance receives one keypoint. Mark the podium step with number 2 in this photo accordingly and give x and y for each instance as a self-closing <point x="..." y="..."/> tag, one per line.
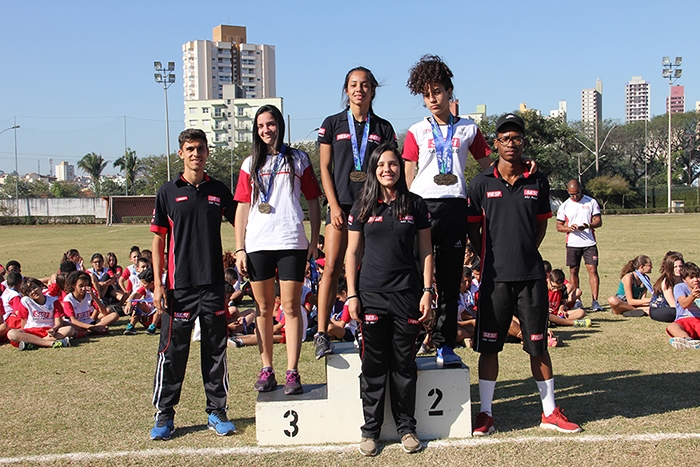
<point x="332" y="412"/>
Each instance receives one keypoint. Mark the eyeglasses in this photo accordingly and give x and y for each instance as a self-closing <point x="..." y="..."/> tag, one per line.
<point x="516" y="140"/>
<point x="574" y="195"/>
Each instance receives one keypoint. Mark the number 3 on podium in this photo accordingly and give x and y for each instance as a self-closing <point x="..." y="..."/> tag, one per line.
<point x="292" y="423"/>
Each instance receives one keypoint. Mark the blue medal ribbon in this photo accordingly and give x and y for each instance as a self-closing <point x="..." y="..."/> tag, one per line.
<point x="265" y="194"/>
<point x="443" y="146"/>
<point x="358" y="156"/>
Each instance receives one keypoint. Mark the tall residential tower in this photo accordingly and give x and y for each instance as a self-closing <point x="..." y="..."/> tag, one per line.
<point x="592" y="106"/>
<point x="637" y="98"/>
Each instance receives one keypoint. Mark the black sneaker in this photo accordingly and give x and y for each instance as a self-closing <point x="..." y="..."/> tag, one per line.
<point x="323" y="345"/>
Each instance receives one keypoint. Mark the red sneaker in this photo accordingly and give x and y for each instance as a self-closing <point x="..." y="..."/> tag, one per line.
<point x="484" y="425"/>
<point x="558" y="421"/>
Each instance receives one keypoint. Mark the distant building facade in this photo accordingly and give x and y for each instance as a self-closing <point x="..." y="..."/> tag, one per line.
<point x="592" y="107"/>
<point x="677" y="100"/>
<point x="65" y="172"/>
<point x="208" y="66"/>
<point x="637" y="99"/>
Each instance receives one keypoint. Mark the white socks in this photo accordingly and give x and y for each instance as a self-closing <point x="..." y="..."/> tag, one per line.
<point x="486" y="389"/>
<point x="546" y="395"/>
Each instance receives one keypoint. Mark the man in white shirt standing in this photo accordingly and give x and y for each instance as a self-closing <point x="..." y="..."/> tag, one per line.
<point x="578" y="217"/>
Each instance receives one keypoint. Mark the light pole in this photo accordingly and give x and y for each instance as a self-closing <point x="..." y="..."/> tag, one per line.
<point x="671" y="72"/>
<point x="14" y="127"/>
<point x="166" y="77"/>
<point x="595" y="153"/>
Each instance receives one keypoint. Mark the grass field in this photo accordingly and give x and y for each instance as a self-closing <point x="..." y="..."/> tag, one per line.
<point x="634" y="395"/>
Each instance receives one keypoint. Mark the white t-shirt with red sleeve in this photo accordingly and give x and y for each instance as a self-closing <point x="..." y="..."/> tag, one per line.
<point x="10" y="301"/>
<point x="420" y="147"/>
<point x="82" y="311"/>
<point x="572" y="212"/>
<point x="39" y="316"/>
<point x="283" y="227"/>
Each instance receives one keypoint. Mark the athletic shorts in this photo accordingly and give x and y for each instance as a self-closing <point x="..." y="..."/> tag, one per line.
<point x="691" y="326"/>
<point x="288" y="264"/>
<point x="346" y="209"/>
<point x="499" y="302"/>
<point x="39" y="332"/>
<point x="574" y="254"/>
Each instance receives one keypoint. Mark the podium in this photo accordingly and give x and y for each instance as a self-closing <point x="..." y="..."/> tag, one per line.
<point x="332" y="412"/>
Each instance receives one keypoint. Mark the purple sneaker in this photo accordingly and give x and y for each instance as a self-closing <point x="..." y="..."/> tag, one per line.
<point x="293" y="383"/>
<point x="266" y="380"/>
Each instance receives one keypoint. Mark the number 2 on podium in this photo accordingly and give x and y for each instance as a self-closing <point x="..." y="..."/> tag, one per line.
<point x="438" y="397"/>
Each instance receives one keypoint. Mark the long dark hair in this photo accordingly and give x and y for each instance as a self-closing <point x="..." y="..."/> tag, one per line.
<point x="634" y="264"/>
<point x="666" y="270"/>
<point x="372" y="190"/>
<point x="372" y="80"/>
<point x="259" y="155"/>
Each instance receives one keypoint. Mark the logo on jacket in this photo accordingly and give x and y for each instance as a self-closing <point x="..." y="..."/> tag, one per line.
<point x="214" y="200"/>
<point x="371" y="318"/>
<point x="180" y="199"/>
<point x="531" y="194"/>
<point x="494" y="194"/>
<point x="340" y="136"/>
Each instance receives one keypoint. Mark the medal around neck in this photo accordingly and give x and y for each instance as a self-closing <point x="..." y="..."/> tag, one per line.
<point x="445" y="179"/>
<point x="264" y="206"/>
<point x="358" y="176"/>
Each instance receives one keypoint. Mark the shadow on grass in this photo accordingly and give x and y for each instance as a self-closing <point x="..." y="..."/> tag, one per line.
<point x="242" y="425"/>
<point x="594" y="397"/>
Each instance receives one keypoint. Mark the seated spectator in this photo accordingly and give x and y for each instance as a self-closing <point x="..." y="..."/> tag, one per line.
<point x="113" y="264"/>
<point x="471" y="259"/>
<point x="41" y="324"/>
<point x="74" y="256"/>
<point x="134" y="255"/>
<point x="572" y="297"/>
<point x="558" y="312"/>
<point x="685" y="330"/>
<point x="104" y="281"/>
<point x="467" y="307"/>
<point x="631" y="299"/>
<point x="12" y="266"/>
<point x="83" y="307"/>
<point x="3" y="326"/>
<point x="10" y="296"/>
<point x="662" y="304"/>
<point x="140" y="306"/>
<point x="341" y="326"/>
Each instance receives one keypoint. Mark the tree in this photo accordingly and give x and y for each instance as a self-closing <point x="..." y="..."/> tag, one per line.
<point x="129" y="164"/>
<point x="12" y="184"/>
<point x="110" y="187"/>
<point x="154" y="172"/>
<point x="64" y="189"/>
<point x="93" y="165"/>
<point x="607" y="186"/>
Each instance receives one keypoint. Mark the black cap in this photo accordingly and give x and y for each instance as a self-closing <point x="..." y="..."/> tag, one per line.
<point x="510" y="118"/>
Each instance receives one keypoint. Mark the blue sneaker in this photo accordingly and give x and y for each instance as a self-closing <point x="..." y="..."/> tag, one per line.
<point x="163" y="429"/>
<point x="219" y="423"/>
<point x="151" y="329"/>
<point x="447" y="357"/>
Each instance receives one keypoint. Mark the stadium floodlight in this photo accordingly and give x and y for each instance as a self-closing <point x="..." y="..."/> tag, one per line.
<point x="670" y="72"/>
<point x="166" y="77"/>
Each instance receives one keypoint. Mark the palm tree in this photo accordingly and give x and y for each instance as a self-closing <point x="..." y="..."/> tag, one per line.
<point x="93" y="165"/>
<point x="131" y="166"/>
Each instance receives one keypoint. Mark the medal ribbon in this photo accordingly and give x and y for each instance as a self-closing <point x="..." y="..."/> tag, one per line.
<point x="265" y="194"/>
<point x="443" y="147"/>
<point x="358" y="156"/>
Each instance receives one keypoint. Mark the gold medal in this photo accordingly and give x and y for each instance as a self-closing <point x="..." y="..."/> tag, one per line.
<point x="358" y="176"/>
<point x="264" y="208"/>
<point x="445" y="179"/>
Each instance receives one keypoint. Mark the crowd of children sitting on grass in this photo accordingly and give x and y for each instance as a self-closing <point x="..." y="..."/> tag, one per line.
<point x="80" y="301"/>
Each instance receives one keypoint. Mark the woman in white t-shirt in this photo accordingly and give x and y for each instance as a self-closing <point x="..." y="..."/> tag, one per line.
<point x="270" y="236"/>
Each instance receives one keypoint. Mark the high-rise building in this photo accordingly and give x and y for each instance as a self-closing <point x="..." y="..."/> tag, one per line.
<point x="228" y="120"/>
<point x="677" y="99"/>
<point x="592" y="106"/>
<point x="208" y="66"/>
<point x="65" y="172"/>
<point x="560" y="112"/>
<point x="637" y="98"/>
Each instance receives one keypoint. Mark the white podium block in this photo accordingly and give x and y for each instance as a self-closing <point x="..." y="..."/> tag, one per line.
<point x="332" y="412"/>
<point x="443" y="403"/>
<point x="324" y="413"/>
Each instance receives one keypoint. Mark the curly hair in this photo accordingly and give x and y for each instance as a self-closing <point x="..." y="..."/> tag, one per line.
<point x="430" y="69"/>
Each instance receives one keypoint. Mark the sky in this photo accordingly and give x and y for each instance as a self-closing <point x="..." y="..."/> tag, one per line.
<point x="78" y="75"/>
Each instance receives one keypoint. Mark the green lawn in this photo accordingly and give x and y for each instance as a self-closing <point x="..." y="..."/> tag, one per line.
<point x="620" y="379"/>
